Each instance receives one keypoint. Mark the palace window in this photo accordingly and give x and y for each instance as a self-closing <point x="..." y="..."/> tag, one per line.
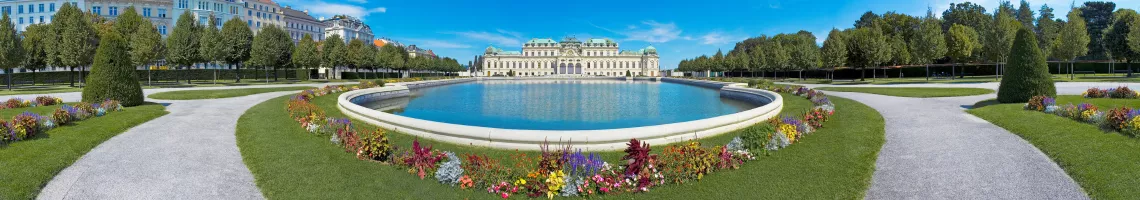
<point x="114" y="11"/>
<point x="146" y="12"/>
<point x="161" y="13"/>
<point x="97" y="10"/>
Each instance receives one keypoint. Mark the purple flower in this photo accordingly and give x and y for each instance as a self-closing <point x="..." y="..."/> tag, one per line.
<point x="1049" y="101"/>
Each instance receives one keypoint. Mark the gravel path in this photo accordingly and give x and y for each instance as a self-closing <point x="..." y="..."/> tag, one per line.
<point x="935" y="150"/>
<point x="78" y="96"/>
<point x="190" y="153"/>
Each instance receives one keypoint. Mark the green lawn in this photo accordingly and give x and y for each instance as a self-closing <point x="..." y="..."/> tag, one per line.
<point x="913" y="92"/>
<point x="215" y="94"/>
<point x="28" y="165"/>
<point x="1105" y="164"/>
<point x="289" y="163"/>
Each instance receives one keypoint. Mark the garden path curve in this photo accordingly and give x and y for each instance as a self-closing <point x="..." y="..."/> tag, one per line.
<point x="190" y="153"/>
<point x="935" y="150"/>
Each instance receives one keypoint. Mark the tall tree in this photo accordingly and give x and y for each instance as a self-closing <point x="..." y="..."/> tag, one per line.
<point x="1116" y="37"/>
<point x="210" y="46"/>
<point x="127" y="23"/>
<point x="1025" y="15"/>
<point x="967" y="14"/>
<point x="182" y="45"/>
<point x="777" y="55"/>
<point x="333" y="54"/>
<point x="392" y="57"/>
<point x="834" y="52"/>
<point x="868" y="19"/>
<point x="867" y="47"/>
<point x="272" y="48"/>
<point x="717" y="62"/>
<point x="237" y="40"/>
<point x="1098" y="16"/>
<point x="1047" y="30"/>
<point x="113" y="75"/>
<point x="999" y="38"/>
<point x="75" y="47"/>
<point x="1073" y="40"/>
<point x="11" y="48"/>
<point x="804" y="52"/>
<point x="305" y="54"/>
<point x="928" y="43"/>
<point x="900" y="54"/>
<point x="146" y="47"/>
<point x="35" y="48"/>
<point x="961" y="42"/>
<point x="356" y="56"/>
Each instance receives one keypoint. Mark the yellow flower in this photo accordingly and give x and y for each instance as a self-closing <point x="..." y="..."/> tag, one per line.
<point x="520" y="182"/>
<point x="789" y="131"/>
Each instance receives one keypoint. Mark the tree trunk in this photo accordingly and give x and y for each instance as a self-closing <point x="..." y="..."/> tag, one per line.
<point x="1129" y="63"/>
<point x="71" y="76"/>
<point x="863" y="74"/>
<point x="9" y="72"/>
<point x="274" y="74"/>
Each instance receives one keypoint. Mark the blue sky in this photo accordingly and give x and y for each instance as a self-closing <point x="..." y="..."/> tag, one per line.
<point x="678" y="29"/>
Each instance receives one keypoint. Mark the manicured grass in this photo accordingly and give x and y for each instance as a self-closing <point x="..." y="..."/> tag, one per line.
<point x="289" y="163"/>
<point x="913" y="92"/>
<point x="28" y="165"/>
<point x="215" y="94"/>
<point x="1105" y="164"/>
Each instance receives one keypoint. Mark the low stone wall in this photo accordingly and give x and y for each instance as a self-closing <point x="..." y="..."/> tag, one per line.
<point x="430" y="83"/>
<point x="590" y="140"/>
<point x="703" y="83"/>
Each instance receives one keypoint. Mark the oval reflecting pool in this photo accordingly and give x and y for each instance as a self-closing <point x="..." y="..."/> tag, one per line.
<point x="561" y="104"/>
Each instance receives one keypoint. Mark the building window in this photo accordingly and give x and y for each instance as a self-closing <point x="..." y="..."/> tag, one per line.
<point x="113" y="11"/>
<point x="249" y="22"/>
<point x="20" y="9"/>
<point x="21" y="20"/>
<point x="6" y="9"/>
<point x="41" y="7"/>
<point x="51" y="7"/>
<point x="41" y="19"/>
<point x="146" y="12"/>
<point x="31" y="8"/>
<point x="97" y="10"/>
<point x="162" y="13"/>
<point x="162" y="29"/>
<point x="182" y="4"/>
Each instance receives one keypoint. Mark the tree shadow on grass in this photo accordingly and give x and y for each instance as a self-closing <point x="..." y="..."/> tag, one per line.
<point x="988" y="102"/>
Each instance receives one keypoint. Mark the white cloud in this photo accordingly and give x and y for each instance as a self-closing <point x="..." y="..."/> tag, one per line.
<point x="652" y="32"/>
<point x="438" y="44"/>
<point x="326" y="9"/>
<point x="715" y="38"/>
<point x="511" y="33"/>
<point x="500" y="38"/>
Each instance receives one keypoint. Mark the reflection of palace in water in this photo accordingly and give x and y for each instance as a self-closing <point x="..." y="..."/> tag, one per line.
<point x="580" y="99"/>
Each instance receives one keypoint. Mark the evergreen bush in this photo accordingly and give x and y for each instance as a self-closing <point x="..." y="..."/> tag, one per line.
<point x="1027" y="74"/>
<point x="112" y="74"/>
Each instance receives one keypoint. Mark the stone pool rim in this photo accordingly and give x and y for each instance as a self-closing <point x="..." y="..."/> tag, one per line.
<point x="589" y="140"/>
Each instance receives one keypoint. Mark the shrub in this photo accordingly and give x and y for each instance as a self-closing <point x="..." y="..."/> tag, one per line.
<point x="112" y="74"/>
<point x="14" y="103"/>
<point x="47" y="100"/>
<point x="755" y="138"/>
<point x="1094" y="93"/>
<point x="1027" y="74"/>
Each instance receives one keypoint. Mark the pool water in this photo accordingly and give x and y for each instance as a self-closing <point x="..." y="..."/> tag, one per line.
<point x="561" y="104"/>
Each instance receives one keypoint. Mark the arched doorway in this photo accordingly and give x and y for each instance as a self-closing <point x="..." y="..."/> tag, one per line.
<point x="562" y="68"/>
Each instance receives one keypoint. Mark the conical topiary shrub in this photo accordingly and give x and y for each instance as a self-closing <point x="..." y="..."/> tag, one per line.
<point x="112" y="75"/>
<point x="1027" y="74"/>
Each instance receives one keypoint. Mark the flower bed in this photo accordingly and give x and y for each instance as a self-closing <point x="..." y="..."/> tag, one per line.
<point x="27" y="125"/>
<point x="38" y="101"/>
<point x="1115" y="93"/>
<point x="1121" y="119"/>
<point x="563" y="170"/>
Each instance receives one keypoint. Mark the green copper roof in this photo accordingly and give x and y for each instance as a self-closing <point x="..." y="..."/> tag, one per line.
<point x="600" y="41"/>
<point x="541" y="41"/>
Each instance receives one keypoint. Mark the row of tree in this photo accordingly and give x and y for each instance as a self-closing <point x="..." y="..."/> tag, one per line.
<point x="73" y="36"/>
<point x="965" y="33"/>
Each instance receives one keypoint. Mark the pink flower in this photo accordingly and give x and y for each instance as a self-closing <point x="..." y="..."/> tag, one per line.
<point x="505" y="195"/>
<point x="606" y="190"/>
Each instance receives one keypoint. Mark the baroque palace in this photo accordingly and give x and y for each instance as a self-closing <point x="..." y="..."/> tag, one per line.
<point x="594" y="57"/>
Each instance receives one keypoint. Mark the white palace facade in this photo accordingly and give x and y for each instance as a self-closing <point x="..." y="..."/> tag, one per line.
<point x="594" y="57"/>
